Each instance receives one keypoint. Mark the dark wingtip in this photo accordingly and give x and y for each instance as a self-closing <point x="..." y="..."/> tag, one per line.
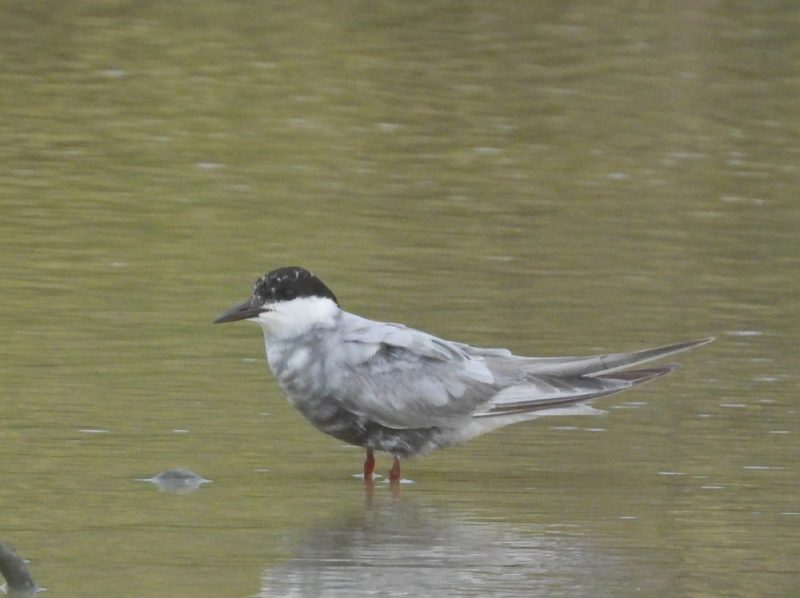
<point x="698" y="343"/>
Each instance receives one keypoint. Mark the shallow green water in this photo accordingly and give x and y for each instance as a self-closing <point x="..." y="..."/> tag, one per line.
<point x="557" y="179"/>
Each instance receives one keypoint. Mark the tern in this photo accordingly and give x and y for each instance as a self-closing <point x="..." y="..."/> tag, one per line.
<point x="387" y="387"/>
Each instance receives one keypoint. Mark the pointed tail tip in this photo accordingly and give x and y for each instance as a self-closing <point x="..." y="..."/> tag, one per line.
<point x="704" y="341"/>
<point x="692" y="344"/>
<point x="656" y="373"/>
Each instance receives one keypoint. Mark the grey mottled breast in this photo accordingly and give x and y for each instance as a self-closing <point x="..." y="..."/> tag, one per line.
<point x="312" y="372"/>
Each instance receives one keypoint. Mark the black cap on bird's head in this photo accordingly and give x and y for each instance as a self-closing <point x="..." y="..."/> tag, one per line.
<point x="282" y="284"/>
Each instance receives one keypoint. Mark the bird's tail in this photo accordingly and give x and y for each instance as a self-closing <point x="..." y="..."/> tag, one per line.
<point x="550" y="393"/>
<point x="565" y="381"/>
<point x="596" y="365"/>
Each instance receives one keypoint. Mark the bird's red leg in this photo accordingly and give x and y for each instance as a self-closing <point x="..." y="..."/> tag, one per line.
<point x="394" y="472"/>
<point x="369" y="465"/>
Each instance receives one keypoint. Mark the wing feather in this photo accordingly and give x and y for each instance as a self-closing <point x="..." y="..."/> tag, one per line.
<point x="595" y="365"/>
<point x="405" y="378"/>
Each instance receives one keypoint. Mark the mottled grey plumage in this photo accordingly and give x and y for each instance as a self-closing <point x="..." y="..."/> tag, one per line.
<point x="392" y="388"/>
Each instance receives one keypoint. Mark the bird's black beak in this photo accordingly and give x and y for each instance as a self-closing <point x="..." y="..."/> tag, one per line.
<point x="240" y="312"/>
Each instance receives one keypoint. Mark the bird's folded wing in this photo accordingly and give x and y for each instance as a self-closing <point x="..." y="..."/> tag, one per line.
<point x="404" y="378"/>
<point x="361" y="330"/>
<point x="547" y="392"/>
<point x="590" y="365"/>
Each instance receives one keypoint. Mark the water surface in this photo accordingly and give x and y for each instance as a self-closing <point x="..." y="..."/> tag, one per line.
<point x="557" y="179"/>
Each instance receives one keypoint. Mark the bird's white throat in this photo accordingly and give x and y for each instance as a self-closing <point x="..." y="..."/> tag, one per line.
<point x="287" y="319"/>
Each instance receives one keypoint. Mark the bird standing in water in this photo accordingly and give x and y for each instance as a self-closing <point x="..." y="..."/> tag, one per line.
<point x="387" y="387"/>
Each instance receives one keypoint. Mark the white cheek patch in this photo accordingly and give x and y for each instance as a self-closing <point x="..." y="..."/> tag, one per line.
<point x="292" y="318"/>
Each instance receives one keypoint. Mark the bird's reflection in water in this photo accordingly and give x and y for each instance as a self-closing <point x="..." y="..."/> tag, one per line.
<point x="399" y="547"/>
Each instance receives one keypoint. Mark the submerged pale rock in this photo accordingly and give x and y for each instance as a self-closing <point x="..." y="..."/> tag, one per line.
<point x="177" y="480"/>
